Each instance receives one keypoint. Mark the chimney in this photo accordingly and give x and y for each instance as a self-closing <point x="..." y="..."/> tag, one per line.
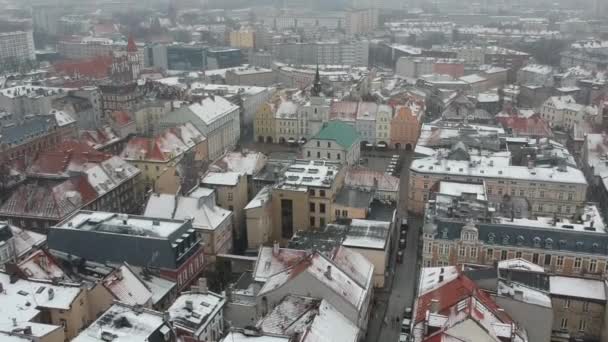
<point x="434" y="306"/>
<point x="328" y="272"/>
<point x="441" y="278"/>
<point x="202" y="285"/>
<point x="189" y="305"/>
<point x="228" y="292"/>
<point x="51" y="293"/>
<point x="14" y="322"/>
<point x="275" y="248"/>
<point x="27" y="330"/>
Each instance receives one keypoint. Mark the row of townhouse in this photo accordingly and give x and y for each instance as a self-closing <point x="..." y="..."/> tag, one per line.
<point x="283" y="120"/>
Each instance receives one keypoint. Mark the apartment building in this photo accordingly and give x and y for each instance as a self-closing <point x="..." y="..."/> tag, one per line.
<point x="242" y="39"/>
<point x="162" y="158"/>
<point x="549" y="190"/>
<point x="361" y="20"/>
<point x="405" y="126"/>
<point x="213" y="223"/>
<point x="231" y="194"/>
<point x="17" y="46"/>
<point x="215" y="117"/>
<point x="303" y="197"/>
<point x="255" y="77"/>
<point x="563" y="112"/>
<point x="71" y="177"/>
<point x="198" y="315"/>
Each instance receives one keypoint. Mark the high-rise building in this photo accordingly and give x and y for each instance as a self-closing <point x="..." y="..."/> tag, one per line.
<point x="18" y="45"/>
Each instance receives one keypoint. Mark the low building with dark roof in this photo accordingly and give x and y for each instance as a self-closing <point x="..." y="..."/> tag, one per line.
<point x="170" y="246"/>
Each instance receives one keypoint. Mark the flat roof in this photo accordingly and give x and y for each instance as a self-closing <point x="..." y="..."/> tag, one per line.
<point x="577" y="287"/>
<point x="122" y="224"/>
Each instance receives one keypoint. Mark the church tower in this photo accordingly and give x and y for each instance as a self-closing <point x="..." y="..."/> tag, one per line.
<point x="133" y="57"/>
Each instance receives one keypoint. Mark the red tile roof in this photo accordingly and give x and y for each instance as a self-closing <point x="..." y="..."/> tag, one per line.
<point x="97" y="67"/>
<point x="521" y="126"/>
<point x="69" y="155"/>
<point x="451" y="293"/>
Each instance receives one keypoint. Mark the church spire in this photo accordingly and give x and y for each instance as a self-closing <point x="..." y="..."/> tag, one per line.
<point x="316" y="88"/>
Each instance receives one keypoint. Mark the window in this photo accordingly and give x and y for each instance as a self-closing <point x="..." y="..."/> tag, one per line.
<point x="230" y="196"/>
<point x="338" y="156"/>
<point x="318" y="154"/>
<point x="518" y="254"/>
<point x="312" y="221"/>
<point x="428" y="247"/>
<point x="521" y="192"/>
<point x="311" y="207"/>
<point x="321" y="222"/>
<point x="444" y="249"/>
<point x="547" y="259"/>
<point x="322" y="208"/>
<point x="321" y="193"/>
<point x="592" y="265"/>
<point x="577" y="263"/>
<point x="582" y="325"/>
<point x="328" y="155"/>
<point x="311" y="192"/>
<point x="564" y="323"/>
<point x="566" y="303"/>
<point x="337" y="212"/>
<point x="318" y="144"/>
<point x="570" y="196"/>
<point x="308" y="153"/>
<point x="560" y="261"/>
<point x="585" y="306"/>
<point x="535" y="258"/>
<point x="328" y="144"/>
<point x="503" y="255"/>
<point x="474" y="252"/>
<point x="461" y="251"/>
<point x="542" y="194"/>
<point x="490" y="254"/>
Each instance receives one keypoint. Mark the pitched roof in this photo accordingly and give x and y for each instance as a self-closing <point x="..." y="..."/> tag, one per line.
<point x="343" y="134"/>
<point x="165" y="146"/>
<point x="131" y="47"/>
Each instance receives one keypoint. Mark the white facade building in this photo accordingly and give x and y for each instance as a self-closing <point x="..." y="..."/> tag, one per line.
<point x="564" y="112"/>
<point x="217" y="118"/>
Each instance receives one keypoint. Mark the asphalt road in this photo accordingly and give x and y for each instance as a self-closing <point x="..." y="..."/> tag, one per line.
<point x="399" y="292"/>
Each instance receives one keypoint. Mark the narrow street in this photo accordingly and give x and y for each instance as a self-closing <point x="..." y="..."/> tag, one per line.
<point x="399" y="292"/>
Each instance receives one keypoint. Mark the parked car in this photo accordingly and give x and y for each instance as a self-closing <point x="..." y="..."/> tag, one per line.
<point x="405" y="326"/>
<point x="402" y="243"/>
<point x="404" y="224"/>
<point x="407" y="313"/>
<point x="400" y="257"/>
<point x="403" y="337"/>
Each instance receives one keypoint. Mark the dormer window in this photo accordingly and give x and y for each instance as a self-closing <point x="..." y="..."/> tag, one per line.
<point x="548" y="243"/>
<point x="536" y="242"/>
<point x="491" y="237"/>
<point x="505" y="240"/>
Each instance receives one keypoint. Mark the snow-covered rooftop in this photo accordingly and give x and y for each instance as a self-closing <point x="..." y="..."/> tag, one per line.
<point x="593" y="223"/>
<point x="22" y="298"/>
<point x="310" y="173"/>
<point x="212" y="108"/>
<point x="458" y="189"/>
<point x="496" y="166"/>
<point x="524" y="293"/>
<point x="248" y="163"/>
<point x="222" y="178"/>
<point x="520" y="264"/>
<point x="127" y="287"/>
<point x="260" y="198"/>
<point x="112" y="223"/>
<point x="330" y="326"/>
<point x="577" y="288"/>
<point x="367" y="234"/>
<point x="192" y="311"/>
<point x="241" y="337"/>
<point x="123" y="323"/>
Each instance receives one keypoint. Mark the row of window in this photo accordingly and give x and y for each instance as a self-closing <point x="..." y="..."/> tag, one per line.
<point x="338" y="155"/>
<point x="582" y="324"/>
<point x="472" y="252"/>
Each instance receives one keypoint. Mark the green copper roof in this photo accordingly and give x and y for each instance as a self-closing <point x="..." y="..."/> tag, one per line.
<point x="344" y="134"/>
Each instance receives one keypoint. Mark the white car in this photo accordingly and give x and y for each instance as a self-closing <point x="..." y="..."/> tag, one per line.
<point x="403" y="337"/>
